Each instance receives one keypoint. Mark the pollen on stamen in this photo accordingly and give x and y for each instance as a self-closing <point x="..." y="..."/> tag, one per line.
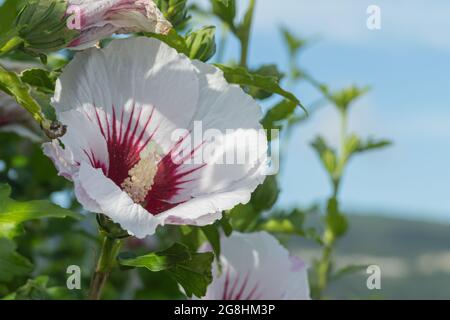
<point x="141" y="176"/>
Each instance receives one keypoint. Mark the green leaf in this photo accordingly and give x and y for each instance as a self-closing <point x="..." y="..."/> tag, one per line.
<point x="191" y="270"/>
<point x="294" y="43"/>
<point x="225" y="10"/>
<point x="243" y="216"/>
<point x="192" y="237"/>
<point x="212" y="233"/>
<point x="268" y="70"/>
<point x="326" y="154"/>
<point x="281" y="111"/>
<point x="12" y="264"/>
<point x="354" y="145"/>
<point x="40" y="79"/>
<point x="241" y="76"/>
<point x="266" y="194"/>
<point x="172" y="39"/>
<point x="289" y="224"/>
<point x="12" y="85"/>
<point x="201" y="44"/>
<point x="159" y="261"/>
<point x="344" y="98"/>
<point x="8" y="12"/>
<point x="13" y="213"/>
<point x="195" y="274"/>
<point x="226" y="225"/>
<point x="336" y="222"/>
<point x="372" y="144"/>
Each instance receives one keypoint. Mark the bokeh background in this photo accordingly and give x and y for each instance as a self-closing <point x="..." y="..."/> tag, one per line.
<point x="398" y="197"/>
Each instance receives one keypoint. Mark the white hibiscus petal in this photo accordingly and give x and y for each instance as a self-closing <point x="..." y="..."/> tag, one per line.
<point x="255" y="267"/>
<point x="138" y="71"/>
<point x="115" y="203"/>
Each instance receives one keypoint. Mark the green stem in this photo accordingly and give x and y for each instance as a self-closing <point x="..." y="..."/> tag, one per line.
<point x="10" y="45"/>
<point x="343" y="137"/>
<point x="244" y="33"/>
<point x="106" y="262"/>
<point x="324" y="266"/>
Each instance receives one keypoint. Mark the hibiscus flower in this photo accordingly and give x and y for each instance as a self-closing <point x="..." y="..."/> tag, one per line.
<point x="256" y="267"/>
<point x="123" y="105"/>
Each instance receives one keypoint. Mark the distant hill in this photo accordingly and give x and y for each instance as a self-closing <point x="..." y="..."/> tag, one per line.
<point x="414" y="258"/>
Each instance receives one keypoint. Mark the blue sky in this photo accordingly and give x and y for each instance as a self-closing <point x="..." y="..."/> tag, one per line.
<point x="407" y="65"/>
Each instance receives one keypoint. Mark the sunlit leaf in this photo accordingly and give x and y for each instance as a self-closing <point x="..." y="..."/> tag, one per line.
<point x="40" y="79"/>
<point x="281" y="111"/>
<point x="172" y="39"/>
<point x="268" y="70"/>
<point x="326" y="154"/>
<point x="159" y="261"/>
<point x="241" y="76"/>
<point x="190" y="269"/>
<point x="13" y="213"/>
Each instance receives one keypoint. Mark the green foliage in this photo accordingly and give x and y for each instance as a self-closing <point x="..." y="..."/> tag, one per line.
<point x="294" y="43"/>
<point x="268" y="70"/>
<point x="266" y="194"/>
<point x="336" y="222"/>
<point x="198" y="44"/>
<point x="243" y="77"/>
<point x="175" y="11"/>
<point x="344" y="98"/>
<point x="212" y="233"/>
<point x="243" y="217"/>
<point x="12" y="85"/>
<point x="327" y="155"/>
<point x="34" y="289"/>
<point x="292" y="223"/>
<point x="8" y="13"/>
<point x="191" y="270"/>
<point x="12" y="264"/>
<point x="172" y="39"/>
<point x="13" y="213"/>
<point x="42" y="80"/>
<point x="159" y="261"/>
<point x="194" y="275"/>
<point x="225" y="10"/>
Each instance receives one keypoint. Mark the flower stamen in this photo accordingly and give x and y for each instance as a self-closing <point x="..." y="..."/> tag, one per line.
<point x="141" y="176"/>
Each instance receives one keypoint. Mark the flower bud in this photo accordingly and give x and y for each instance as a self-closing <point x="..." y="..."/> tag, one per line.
<point x="97" y="19"/>
<point x="201" y="44"/>
<point x="42" y="27"/>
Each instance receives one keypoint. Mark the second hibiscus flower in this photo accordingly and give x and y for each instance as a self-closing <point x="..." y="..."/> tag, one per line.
<point x="122" y="106"/>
